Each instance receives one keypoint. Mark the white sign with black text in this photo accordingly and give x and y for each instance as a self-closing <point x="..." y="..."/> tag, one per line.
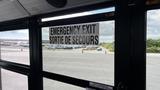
<point x="77" y="34"/>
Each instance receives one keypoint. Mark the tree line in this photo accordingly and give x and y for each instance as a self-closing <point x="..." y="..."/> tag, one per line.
<point x="152" y="46"/>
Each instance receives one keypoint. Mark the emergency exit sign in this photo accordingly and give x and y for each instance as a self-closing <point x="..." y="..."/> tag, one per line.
<point x="77" y="34"/>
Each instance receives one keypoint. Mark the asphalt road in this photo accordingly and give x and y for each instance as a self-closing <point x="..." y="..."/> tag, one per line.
<point x="96" y="66"/>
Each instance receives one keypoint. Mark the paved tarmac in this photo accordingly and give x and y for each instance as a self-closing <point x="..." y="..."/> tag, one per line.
<point x="96" y="66"/>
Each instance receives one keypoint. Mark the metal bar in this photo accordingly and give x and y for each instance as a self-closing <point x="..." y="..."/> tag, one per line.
<point x="35" y="76"/>
<point x="152" y="7"/>
<point x="14" y="24"/>
<point x="152" y="4"/>
<point x="130" y="45"/>
<point x="15" y="67"/>
<point x="77" y="20"/>
<point x="13" y="27"/>
<point x="77" y="82"/>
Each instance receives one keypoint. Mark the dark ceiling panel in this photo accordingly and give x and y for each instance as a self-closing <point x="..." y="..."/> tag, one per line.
<point x="10" y="9"/>
<point x="41" y="6"/>
<point x="15" y="9"/>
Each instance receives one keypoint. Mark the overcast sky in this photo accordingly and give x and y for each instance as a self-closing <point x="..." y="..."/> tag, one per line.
<point x="153" y="24"/>
<point x="106" y="29"/>
<point x="16" y="34"/>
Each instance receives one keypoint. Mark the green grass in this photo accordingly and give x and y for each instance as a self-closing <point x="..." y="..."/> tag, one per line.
<point x="109" y="46"/>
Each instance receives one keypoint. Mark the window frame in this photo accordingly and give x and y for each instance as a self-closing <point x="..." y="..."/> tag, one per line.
<point x="34" y="70"/>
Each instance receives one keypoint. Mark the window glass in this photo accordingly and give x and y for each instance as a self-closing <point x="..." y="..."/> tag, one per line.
<point x="13" y="81"/>
<point x="55" y="85"/>
<point x="153" y="50"/>
<point x="14" y="46"/>
<point x="89" y="62"/>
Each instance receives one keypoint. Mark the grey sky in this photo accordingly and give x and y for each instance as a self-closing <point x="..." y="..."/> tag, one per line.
<point x="16" y="34"/>
<point x="153" y="24"/>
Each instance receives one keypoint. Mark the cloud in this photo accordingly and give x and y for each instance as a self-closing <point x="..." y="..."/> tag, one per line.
<point x="16" y="34"/>
<point x="45" y="33"/>
<point x="153" y="24"/>
<point x="109" y="39"/>
<point x="106" y="28"/>
<point x="24" y="31"/>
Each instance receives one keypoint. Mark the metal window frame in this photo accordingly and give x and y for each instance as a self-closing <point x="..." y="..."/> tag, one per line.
<point x="34" y="70"/>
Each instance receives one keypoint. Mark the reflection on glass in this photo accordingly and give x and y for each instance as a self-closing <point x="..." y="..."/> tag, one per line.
<point x="55" y="85"/>
<point x="99" y="11"/>
<point x="13" y="81"/>
<point x="89" y="62"/>
<point x="153" y="50"/>
<point x="14" y="46"/>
